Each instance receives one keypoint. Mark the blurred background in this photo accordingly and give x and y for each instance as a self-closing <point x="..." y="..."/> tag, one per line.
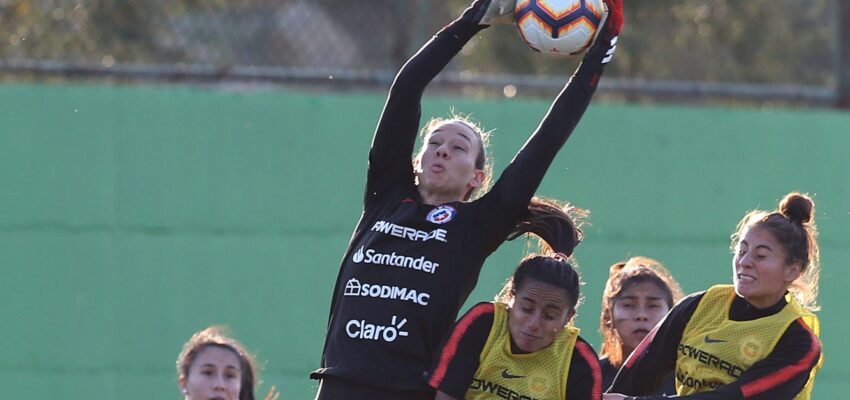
<point x="762" y="51"/>
<point x="165" y="166"/>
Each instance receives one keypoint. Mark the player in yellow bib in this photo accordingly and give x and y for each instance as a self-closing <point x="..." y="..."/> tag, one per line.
<point x="755" y="339"/>
<point x="523" y="346"/>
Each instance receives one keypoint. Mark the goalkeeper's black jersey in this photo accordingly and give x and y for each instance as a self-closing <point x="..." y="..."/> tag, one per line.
<point x="410" y="266"/>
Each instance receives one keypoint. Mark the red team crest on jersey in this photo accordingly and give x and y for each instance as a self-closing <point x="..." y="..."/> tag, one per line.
<point x="441" y="214"/>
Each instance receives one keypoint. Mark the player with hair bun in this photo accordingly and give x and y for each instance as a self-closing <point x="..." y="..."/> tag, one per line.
<point x="424" y="230"/>
<point x="638" y="294"/>
<point x="754" y="339"/>
<point x="523" y="345"/>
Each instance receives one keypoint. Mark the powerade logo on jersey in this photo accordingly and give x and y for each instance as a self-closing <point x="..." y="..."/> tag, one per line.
<point x="711" y="360"/>
<point x="370" y="256"/>
<point x="408" y="233"/>
<point x="481" y="385"/>
<point x="355" y="288"/>
<point x="441" y="214"/>
<point x="360" y="329"/>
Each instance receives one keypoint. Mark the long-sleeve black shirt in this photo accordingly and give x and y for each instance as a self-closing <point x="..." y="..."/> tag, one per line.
<point x="403" y="278"/>
<point x="609" y="372"/>
<point x="460" y="358"/>
<point x="781" y="375"/>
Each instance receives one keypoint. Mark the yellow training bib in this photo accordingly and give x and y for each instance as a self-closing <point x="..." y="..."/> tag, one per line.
<point x="716" y="350"/>
<point x="538" y="375"/>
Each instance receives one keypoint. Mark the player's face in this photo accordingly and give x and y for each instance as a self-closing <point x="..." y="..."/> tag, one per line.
<point x="539" y="313"/>
<point x="447" y="161"/>
<point x="759" y="268"/>
<point x="214" y="374"/>
<point x="637" y="309"/>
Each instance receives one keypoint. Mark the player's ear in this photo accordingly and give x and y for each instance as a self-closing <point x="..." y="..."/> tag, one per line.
<point x="793" y="272"/>
<point x="477" y="179"/>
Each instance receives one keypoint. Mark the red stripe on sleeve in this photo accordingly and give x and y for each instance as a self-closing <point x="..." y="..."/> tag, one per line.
<point x="588" y="355"/>
<point x="450" y="347"/>
<point x="784" y="374"/>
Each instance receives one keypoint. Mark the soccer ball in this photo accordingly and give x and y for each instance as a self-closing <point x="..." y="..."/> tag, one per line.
<point x="558" y="26"/>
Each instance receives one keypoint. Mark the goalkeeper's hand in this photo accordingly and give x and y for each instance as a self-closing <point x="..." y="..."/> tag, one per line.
<point x="609" y="30"/>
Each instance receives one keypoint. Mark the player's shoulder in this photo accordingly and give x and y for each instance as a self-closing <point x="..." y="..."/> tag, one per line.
<point x="586" y="349"/>
<point x="484" y="310"/>
<point x="690" y="302"/>
<point x="800" y="332"/>
<point x="693" y="297"/>
<point x="481" y="314"/>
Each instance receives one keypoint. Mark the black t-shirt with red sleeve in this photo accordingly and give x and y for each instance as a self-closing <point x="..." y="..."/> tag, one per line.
<point x="460" y="358"/>
<point x="781" y="375"/>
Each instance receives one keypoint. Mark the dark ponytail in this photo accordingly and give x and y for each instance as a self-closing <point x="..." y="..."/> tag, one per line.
<point x="559" y="233"/>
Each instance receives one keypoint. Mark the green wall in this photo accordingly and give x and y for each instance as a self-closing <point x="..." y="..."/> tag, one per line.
<point x="131" y="217"/>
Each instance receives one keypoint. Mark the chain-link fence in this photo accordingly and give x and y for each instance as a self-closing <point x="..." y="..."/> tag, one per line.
<point x="290" y="35"/>
<point x="758" y="49"/>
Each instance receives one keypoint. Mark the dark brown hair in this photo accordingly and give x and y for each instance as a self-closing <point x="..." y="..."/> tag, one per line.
<point x="622" y="276"/>
<point x="792" y="224"/>
<point x="558" y="228"/>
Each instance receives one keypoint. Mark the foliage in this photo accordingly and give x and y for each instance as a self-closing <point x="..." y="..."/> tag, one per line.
<point x="777" y="41"/>
<point x="757" y="41"/>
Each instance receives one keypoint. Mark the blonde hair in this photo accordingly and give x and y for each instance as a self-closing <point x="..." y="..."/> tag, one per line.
<point x="621" y="276"/>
